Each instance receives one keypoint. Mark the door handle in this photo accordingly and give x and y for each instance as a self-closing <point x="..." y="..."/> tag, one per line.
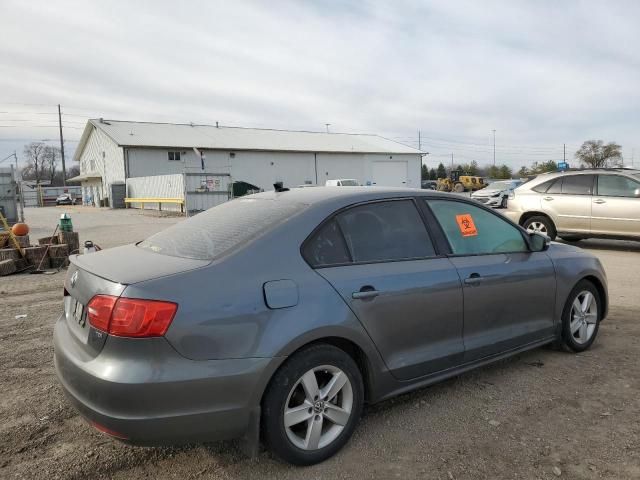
<point x="548" y="199"/>
<point x="599" y="200"/>
<point x="365" y="292"/>
<point x="473" y="279"/>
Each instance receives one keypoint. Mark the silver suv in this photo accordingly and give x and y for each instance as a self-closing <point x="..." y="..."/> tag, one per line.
<point x="601" y="203"/>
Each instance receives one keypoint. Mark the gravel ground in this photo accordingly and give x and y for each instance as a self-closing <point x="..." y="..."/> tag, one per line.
<point x="543" y="414"/>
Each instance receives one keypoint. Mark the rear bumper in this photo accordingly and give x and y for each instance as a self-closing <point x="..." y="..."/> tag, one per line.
<point x="143" y="392"/>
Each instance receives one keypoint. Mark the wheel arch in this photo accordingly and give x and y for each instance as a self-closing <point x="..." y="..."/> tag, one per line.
<point x="345" y="343"/>
<point x="534" y="213"/>
<point x="599" y="285"/>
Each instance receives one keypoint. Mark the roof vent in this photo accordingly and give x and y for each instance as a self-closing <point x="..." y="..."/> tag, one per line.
<point x="217" y="125"/>
<point x="279" y="187"/>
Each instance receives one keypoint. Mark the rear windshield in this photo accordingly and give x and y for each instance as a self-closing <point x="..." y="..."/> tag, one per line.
<point x="210" y="234"/>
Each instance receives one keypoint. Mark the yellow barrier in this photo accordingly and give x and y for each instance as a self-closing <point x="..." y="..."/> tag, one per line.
<point x="159" y="201"/>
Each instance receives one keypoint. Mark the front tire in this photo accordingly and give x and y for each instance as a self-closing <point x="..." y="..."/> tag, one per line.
<point x="312" y="405"/>
<point x="503" y="204"/>
<point x="581" y="317"/>
<point x="458" y="188"/>
<point x="540" y="224"/>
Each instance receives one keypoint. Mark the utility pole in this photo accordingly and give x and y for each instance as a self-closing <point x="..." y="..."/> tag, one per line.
<point x="494" y="147"/>
<point x="64" y="168"/>
<point x="419" y="141"/>
<point x="564" y="152"/>
<point x="451" y="160"/>
<point x="327" y="125"/>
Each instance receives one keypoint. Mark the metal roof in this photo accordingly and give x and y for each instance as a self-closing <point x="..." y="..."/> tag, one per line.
<point x="171" y="135"/>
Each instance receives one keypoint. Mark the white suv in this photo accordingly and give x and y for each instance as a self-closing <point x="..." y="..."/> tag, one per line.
<point x="602" y="203"/>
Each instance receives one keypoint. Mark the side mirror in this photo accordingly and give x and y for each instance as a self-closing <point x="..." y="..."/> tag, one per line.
<point x="636" y="193"/>
<point x="539" y="242"/>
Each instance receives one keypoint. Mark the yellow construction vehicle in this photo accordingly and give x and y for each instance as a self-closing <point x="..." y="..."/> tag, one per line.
<point x="457" y="182"/>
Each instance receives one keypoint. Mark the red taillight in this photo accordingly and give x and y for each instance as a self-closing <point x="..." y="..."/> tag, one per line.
<point x="130" y="317"/>
<point x="141" y="318"/>
<point x="99" y="311"/>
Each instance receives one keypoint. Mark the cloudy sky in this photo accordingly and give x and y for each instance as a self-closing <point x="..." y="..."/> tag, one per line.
<point x="541" y="73"/>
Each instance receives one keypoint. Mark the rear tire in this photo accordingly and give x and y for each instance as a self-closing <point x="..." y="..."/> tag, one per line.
<point x="305" y="391"/>
<point x="581" y="317"/>
<point x="503" y="204"/>
<point x="540" y="224"/>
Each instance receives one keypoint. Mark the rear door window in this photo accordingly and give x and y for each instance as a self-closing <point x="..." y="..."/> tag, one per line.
<point x="616" y="186"/>
<point x="472" y="230"/>
<point x="577" y="185"/>
<point x="385" y="231"/>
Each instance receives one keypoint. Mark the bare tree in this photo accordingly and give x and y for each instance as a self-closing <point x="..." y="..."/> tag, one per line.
<point x="51" y="156"/>
<point x="595" y="154"/>
<point x="36" y="153"/>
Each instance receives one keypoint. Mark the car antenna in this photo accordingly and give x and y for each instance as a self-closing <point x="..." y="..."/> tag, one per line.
<point x="279" y="187"/>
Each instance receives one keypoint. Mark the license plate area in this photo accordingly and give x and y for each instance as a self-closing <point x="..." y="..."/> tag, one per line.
<point x="76" y="316"/>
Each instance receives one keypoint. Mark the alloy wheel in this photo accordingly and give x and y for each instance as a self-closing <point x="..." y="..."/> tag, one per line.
<point x="584" y="317"/>
<point x="537" y="227"/>
<point x="318" y="407"/>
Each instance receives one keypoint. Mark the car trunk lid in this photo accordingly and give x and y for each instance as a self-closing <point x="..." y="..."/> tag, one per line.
<point x="129" y="264"/>
<point x="108" y="272"/>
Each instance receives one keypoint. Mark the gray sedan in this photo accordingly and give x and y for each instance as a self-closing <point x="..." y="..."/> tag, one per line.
<point x="279" y="315"/>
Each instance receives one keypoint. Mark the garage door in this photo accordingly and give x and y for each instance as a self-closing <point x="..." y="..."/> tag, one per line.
<point x="390" y="174"/>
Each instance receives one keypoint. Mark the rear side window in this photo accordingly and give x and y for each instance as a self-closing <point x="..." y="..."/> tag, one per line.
<point x="577" y="185"/>
<point x="616" y="186"/>
<point x="385" y="231"/>
<point x="555" y="187"/>
<point x="543" y="187"/>
<point x="211" y="234"/>
<point x="472" y="230"/>
<point x="327" y="246"/>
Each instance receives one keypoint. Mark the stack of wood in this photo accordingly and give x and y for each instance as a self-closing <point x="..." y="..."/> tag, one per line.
<point x="9" y="259"/>
<point x="72" y="239"/>
<point x="51" y="252"/>
<point x="58" y="255"/>
<point x="37" y="256"/>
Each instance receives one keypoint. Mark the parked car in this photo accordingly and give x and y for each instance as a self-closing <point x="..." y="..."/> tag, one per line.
<point x="342" y="182"/>
<point x="65" y="199"/>
<point x="284" y="312"/>
<point x="429" y="184"/>
<point x="580" y="204"/>
<point x="496" y="193"/>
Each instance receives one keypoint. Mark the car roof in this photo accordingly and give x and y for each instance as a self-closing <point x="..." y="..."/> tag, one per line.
<point x="543" y="177"/>
<point x="322" y="194"/>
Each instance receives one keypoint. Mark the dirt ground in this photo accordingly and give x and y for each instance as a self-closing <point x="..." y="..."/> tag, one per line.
<point x="543" y="414"/>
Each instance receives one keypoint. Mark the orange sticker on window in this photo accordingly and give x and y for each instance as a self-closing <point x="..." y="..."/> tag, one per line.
<point x="466" y="225"/>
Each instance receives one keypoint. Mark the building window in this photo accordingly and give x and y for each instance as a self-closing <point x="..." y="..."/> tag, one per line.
<point x="174" y="156"/>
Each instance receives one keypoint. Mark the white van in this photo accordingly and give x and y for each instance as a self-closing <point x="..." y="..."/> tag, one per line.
<point x="342" y="182"/>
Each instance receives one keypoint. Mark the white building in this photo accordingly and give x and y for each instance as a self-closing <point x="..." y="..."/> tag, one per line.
<point x="113" y="151"/>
